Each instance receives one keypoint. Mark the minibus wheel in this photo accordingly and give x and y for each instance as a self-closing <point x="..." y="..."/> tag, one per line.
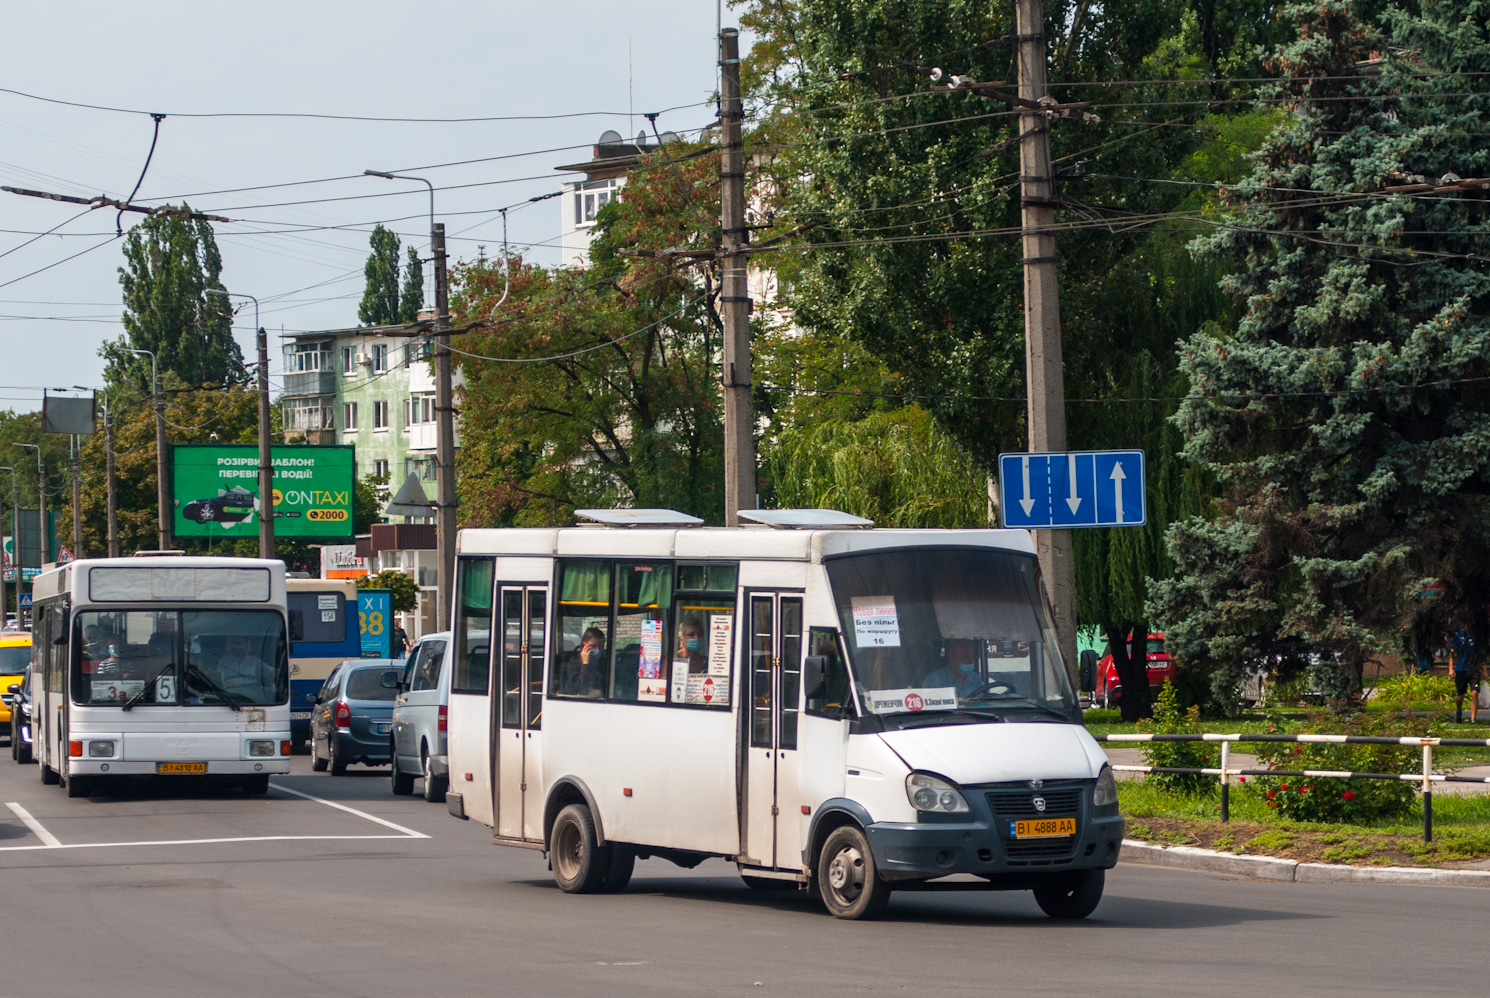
<point x="49" y="776"/>
<point x="578" y="861"/>
<point x="622" y="862"/>
<point x="256" y="784"/>
<point x="1071" y="895"/>
<point x="846" y="876"/>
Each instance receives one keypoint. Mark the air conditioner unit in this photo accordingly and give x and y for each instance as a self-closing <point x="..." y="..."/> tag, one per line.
<point x="365" y="359"/>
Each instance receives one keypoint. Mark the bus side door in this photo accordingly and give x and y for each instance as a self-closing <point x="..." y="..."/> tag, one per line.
<point x="519" y="804"/>
<point x="772" y="813"/>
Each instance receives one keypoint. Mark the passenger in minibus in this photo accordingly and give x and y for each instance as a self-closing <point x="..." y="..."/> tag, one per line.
<point x="584" y="673"/>
<point x="691" y="645"/>
<point x="960" y="670"/>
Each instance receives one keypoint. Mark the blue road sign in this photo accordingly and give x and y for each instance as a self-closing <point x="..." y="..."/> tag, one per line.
<point x="1103" y="488"/>
<point x="25" y="600"/>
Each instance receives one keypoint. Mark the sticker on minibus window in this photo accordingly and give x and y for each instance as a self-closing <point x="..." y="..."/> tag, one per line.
<point x="680" y="679"/>
<point x="875" y="622"/>
<point x="721" y="626"/>
<point x="652" y="690"/>
<point x="912" y="700"/>
<point x="649" y="665"/>
<point x="708" y="690"/>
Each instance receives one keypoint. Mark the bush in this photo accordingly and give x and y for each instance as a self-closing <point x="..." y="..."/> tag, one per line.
<point x="1340" y="800"/>
<point x="1404" y="692"/>
<point x="1170" y="719"/>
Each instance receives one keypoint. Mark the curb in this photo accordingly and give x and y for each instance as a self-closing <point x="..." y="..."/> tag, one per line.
<point x="1291" y="870"/>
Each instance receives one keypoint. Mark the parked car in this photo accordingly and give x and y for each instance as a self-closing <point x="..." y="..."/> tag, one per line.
<point x="353" y="715"/>
<point x="419" y="716"/>
<point x="15" y="658"/>
<point x="233" y="506"/>
<point x="1160" y="666"/>
<point x="20" y="718"/>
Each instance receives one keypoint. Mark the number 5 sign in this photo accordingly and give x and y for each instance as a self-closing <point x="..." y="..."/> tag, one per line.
<point x="375" y="621"/>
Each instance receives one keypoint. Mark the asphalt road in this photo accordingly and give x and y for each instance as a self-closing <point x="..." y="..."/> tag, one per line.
<point x="166" y="891"/>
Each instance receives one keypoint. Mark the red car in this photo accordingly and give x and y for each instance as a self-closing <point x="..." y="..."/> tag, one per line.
<point x="1161" y="667"/>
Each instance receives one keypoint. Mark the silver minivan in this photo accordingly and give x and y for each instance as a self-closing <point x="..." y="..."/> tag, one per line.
<point x="419" y="716"/>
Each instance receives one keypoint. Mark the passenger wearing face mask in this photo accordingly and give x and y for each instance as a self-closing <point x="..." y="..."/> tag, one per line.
<point x="691" y="645"/>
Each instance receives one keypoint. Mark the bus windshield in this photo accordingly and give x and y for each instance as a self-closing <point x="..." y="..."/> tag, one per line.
<point x="212" y="658"/>
<point x="949" y="634"/>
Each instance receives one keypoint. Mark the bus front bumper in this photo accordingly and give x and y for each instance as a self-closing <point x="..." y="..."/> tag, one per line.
<point x="924" y="851"/>
<point x="143" y="767"/>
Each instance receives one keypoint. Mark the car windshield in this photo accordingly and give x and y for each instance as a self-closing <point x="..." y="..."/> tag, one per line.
<point x="211" y="658"/>
<point x="367" y="684"/>
<point x="14" y="659"/>
<point x="950" y="634"/>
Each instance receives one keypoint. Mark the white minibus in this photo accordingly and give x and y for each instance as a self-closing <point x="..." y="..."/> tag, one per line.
<point x="161" y="665"/>
<point x="845" y="709"/>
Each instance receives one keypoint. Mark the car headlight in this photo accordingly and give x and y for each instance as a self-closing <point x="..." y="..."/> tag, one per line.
<point x="1105" y="792"/>
<point x="101" y="750"/>
<point x="258" y="748"/>
<point x="928" y="793"/>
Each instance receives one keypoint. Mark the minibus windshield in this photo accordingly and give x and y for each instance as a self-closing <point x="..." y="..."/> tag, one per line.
<point x="949" y="633"/>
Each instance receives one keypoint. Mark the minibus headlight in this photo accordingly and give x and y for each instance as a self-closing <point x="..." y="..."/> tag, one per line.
<point x="1105" y="792"/>
<point x="101" y="750"/>
<point x="928" y="793"/>
<point x="259" y="747"/>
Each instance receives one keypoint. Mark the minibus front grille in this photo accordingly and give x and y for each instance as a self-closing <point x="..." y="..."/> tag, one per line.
<point x="1060" y="802"/>
<point x="1010" y="804"/>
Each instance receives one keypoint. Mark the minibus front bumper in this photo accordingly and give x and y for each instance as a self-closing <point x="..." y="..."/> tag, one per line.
<point x="982" y="841"/>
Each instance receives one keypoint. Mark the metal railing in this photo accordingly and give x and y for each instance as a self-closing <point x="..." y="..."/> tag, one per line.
<point x="1425" y="779"/>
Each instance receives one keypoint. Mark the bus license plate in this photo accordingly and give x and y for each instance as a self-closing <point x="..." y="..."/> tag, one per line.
<point x="1042" y="828"/>
<point x="181" y="767"/>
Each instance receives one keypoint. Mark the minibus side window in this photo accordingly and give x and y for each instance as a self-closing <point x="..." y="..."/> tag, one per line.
<point x="581" y="661"/>
<point x="831" y="698"/>
<point x="473" y="626"/>
<point x="644" y="597"/>
<point x="699" y="667"/>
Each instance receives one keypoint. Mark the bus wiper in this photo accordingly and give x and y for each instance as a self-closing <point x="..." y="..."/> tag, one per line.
<point x="143" y="689"/>
<point x="222" y="694"/>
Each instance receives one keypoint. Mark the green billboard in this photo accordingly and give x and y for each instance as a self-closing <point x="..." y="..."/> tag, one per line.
<point x="215" y="491"/>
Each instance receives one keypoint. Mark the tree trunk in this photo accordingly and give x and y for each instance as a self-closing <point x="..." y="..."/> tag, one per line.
<point x="1132" y="670"/>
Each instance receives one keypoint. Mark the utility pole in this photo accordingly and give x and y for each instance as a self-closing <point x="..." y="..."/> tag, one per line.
<point x="108" y="459"/>
<point x="739" y="416"/>
<point x="1044" y="374"/>
<point x="266" y="464"/>
<point x="15" y="536"/>
<point x="445" y="441"/>
<point x="162" y="490"/>
<point x="77" y="500"/>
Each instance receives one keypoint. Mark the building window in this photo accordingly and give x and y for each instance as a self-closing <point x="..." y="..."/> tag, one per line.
<point x="406" y="415"/>
<point x="349" y="416"/>
<point x="380" y="468"/>
<point x="424" y="467"/>
<point x="380" y="415"/>
<point x="416" y="351"/>
<point x="307" y="414"/>
<point x="419" y="409"/>
<point x="308" y="357"/>
<point x="380" y="356"/>
<point x="579" y="207"/>
<point x="348" y="360"/>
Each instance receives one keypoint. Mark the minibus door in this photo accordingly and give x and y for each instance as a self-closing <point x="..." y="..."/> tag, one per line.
<point x="773" y="821"/>
<point x="519" y="803"/>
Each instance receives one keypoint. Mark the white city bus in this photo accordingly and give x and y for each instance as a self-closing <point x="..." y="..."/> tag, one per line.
<point x="161" y="665"/>
<point x="850" y="709"/>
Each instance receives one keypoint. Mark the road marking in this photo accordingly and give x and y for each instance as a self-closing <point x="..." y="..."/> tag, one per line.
<point x="35" y="826"/>
<point x="409" y="832"/>
<point x="199" y="842"/>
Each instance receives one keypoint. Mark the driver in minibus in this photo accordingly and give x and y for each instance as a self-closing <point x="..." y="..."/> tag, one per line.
<point x="960" y="670"/>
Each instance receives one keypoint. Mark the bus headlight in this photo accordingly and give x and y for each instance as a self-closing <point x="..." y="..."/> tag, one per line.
<point x="928" y="793"/>
<point x="259" y="747"/>
<point x="1105" y="792"/>
<point x="101" y="750"/>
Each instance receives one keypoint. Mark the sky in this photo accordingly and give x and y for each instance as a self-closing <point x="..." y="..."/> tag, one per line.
<point x="451" y="59"/>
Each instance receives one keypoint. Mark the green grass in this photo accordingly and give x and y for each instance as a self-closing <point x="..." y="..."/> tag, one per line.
<point x="1138" y="800"/>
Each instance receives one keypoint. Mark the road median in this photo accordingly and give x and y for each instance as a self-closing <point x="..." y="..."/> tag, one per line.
<point x="1280" y="869"/>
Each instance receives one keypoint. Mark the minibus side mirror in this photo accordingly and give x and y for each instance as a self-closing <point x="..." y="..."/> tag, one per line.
<point x="390" y="680"/>
<point x="1088" y="672"/>
<point x="815" y="676"/>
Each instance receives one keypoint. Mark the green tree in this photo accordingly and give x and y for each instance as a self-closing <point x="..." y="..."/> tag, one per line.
<point x="380" y="298"/>
<point x="1347" y="418"/>
<point x="405" y="590"/>
<point x="412" y="298"/>
<point x="170" y="264"/>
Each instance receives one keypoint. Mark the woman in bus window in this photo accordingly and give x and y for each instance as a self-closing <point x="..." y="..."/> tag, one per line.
<point x="691" y="645"/>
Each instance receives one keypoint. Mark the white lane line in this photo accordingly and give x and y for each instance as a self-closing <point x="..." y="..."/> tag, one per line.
<point x="197" y="842"/>
<point x="352" y="810"/>
<point x="35" y="826"/>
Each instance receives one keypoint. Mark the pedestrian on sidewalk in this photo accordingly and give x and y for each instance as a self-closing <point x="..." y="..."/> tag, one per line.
<point x="1464" y="659"/>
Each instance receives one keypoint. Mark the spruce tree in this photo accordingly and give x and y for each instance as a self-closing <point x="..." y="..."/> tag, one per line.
<point x="1348" y="417"/>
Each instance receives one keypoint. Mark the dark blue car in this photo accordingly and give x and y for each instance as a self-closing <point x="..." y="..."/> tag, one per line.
<point x="353" y="715"/>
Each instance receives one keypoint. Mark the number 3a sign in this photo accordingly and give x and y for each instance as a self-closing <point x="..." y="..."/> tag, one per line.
<point x="375" y="622"/>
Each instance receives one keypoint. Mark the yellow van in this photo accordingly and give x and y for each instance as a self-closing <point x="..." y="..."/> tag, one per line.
<point x="15" y="655"/>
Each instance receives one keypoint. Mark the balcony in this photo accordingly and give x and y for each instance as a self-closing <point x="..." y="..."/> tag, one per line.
<point x="310" y="383"/>
<point x="424" y="436"/>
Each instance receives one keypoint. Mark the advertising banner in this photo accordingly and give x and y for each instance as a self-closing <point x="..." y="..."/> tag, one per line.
<point x="214" y="491"/>
<point x="340" y="561"/>
<point x="375" y="621"/>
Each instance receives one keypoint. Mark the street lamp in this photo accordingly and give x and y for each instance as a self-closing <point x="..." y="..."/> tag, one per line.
<point x="444" y="414"/>
<point x="161" y="492"/>
<point x="266" y="462"/>
<point x="41" y="504"/>
<point x="15" y="541"/>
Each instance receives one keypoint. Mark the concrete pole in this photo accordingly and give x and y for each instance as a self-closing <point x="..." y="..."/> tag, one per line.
<point x="266" y="462"/>
<point x="77" y="500"/>
<point x="445" y="440"/>
<point x="112" y="485"/>
<point x="45" y="543"/>
<point x="162" y="487"/>
<point x="739" y="416"/>
<point x="1045" y="378"/>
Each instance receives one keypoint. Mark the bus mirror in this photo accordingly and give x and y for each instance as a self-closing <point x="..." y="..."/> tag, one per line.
<point x="1088" y="674"/>
<point x="815" y="676"/>
<point x="390" y="680"/>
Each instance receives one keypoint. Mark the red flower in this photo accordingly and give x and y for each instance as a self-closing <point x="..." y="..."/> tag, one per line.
<point x="1297" y="751"/>
<point x="1284" y="787"/>
<point x="1303" y="790"/>
<point x="1242" y="778"/>
<point x="1270" y="795"/>
<point x="1348" y="795"/>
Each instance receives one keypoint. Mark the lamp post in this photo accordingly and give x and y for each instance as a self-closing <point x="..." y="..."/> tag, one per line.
<point x="41" y="508"/>
<point x="161" y="490"/>
<point x="444" y="415"/>
<point x="266" y="462"/>
<point x="15" y="545"/>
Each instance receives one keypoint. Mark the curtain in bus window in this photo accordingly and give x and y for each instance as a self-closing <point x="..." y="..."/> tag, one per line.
<point x="586" y="582"/>
<point x="473" y="613"/>
<point x="580" y="660"/>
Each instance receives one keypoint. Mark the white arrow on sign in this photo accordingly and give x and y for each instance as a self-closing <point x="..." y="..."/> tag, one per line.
<point x="1117" y="489"/>
<point x="1075" y="500"/>
<point x="1027" y="502"/>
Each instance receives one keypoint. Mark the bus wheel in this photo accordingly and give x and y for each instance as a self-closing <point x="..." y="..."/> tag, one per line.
<point x="49" y="776"/>
<point x="1071" y="895"/>
<point x="850" y="885"/>
<point x="256" y="784"/>
<point x="78" y="786"/>
<point x="618" y="872"/>
<point x="578" y="861"/>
